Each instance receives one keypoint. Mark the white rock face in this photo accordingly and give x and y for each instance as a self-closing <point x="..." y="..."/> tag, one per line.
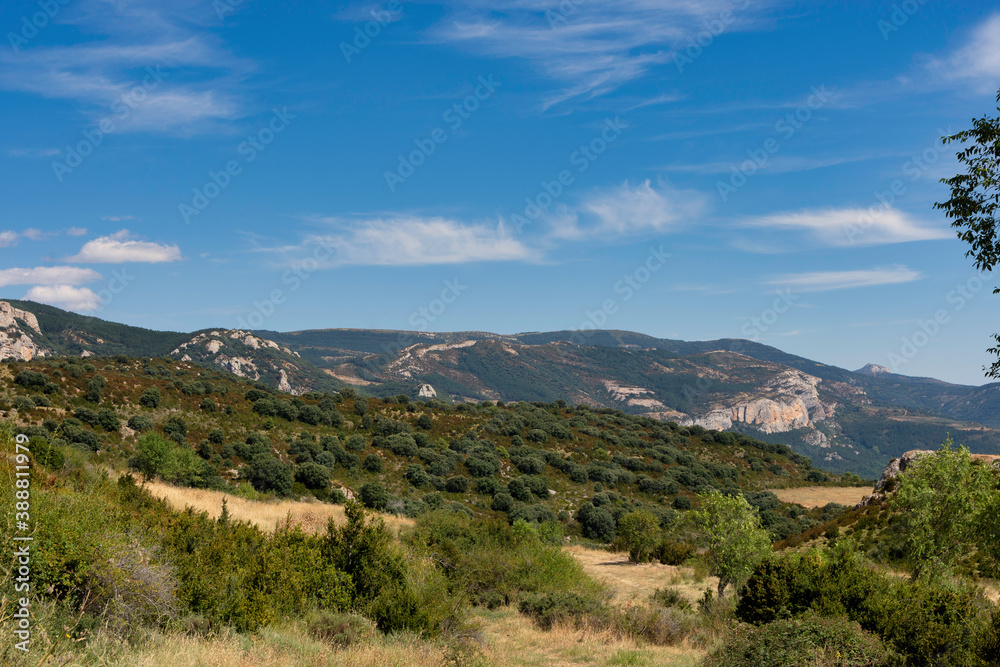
<point x="283" y="383"/>
<point x="9" y="314"/>
<point x="427" y="391"/>
<point x="14" y="340"/>
<point x="794" y="403"/>
<point x="241" y="366"/>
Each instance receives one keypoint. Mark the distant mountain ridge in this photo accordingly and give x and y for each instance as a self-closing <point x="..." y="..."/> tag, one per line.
<point x="844" y="420"/>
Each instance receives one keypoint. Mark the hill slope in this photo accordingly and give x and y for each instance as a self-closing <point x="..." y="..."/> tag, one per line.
<point x="842" y="419"/>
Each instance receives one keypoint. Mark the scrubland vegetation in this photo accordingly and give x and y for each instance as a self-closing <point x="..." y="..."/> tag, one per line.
<point x="477" y="534"/>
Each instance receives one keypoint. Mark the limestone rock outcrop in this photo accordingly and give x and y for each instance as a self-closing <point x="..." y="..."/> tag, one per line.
<point x="16" y="326"/>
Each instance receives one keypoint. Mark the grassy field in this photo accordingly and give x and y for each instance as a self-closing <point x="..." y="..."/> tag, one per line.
<point x="633" y="583"/>
<point x="312" y="516"/>
<point x="818" y="496"/>
<point x="504" y="638"/>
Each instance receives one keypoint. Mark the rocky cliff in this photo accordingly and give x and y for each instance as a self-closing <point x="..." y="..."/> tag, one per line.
<point x="887" y="482"/>
<point x="16" y="326"/>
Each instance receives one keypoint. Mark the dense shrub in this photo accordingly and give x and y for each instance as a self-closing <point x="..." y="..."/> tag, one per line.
<point x="564" y="607"/>
<point x="928" y="624"/>
<point x="502" y="502"/>
<point x="374" y="495"/>
<point x="313" y="476"/>
<point x="373" y="463"/>
<point x="596" y="523"/>
<point x="140" y="423"/>
<point x="807" y="640"/>
<point x="150" y="398"/>
<point x="266" y="473"/>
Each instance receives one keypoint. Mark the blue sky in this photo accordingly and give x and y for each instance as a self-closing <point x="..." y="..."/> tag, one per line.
<point x="691" y="170"/>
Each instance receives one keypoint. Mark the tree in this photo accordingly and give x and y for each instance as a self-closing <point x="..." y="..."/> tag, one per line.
<point x="940" y="500"/>
<point x="735" y="539"/>
<point x="637" y="534"/>
<point x="150" y="398"/>
<point x="975" y="199"/>
<point x="374" y="496"/>
<point x="267" y="473"/>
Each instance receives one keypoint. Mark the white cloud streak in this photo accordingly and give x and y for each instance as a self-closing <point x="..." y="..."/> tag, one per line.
<point x="824" y="281"/>
<point x="843" y="227"/>
<point x="48" y="275"/>
<point x="413" y="241"/>
<point x="590" y="51"/>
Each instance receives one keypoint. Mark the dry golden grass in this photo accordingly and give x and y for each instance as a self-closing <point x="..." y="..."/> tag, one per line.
<point x="631" y="582"/>
<point x="513" y="639"/>
<point x="818" y="496"/>
<point x="507" y="639"/>
<point x="267" y="515"/>
<point x="279" y="646"/>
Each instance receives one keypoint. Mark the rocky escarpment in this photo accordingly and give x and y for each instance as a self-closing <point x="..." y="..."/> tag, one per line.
<point x="15" y="341"/>
<point x="238" y="352"/>
<point x="790" y="401"/>
<point x="887" y="481"/>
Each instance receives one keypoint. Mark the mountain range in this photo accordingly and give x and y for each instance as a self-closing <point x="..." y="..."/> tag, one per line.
<point x="844" y="420"/>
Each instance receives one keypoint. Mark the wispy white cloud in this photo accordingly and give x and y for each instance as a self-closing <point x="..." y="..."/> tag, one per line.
<point x="626" y="210"/>
<point x="81" y="299"/>
<point x="119" y="248"/>
<point x="853" y="226"/>
<point x="824" y="281"/>
<point x="9" y="237"/>
<point x="33" y="152"/>
<point x="410" y="241"/>
<point x="589" y="50"/>
<point x="977" y="62"/>
<point x="121" y="44"/>
<point x="48" y="275"/>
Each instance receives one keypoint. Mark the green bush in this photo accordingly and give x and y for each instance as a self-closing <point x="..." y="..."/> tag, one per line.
<point x="807" y="640"/>
<point x="373" y="463"/>
<point x="140" y="423"/>
<point x="356" y="443"/>
<point x="374" y="496"/>
<point x="150" y="398"/>
<point x="266" y="473"/>
<point x="671" y="551"/>
<point x="929" y="624"/>
<point x="313" y="476"/>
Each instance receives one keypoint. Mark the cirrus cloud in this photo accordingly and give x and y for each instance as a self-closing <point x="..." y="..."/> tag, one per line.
<point x="824" y="281"/>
